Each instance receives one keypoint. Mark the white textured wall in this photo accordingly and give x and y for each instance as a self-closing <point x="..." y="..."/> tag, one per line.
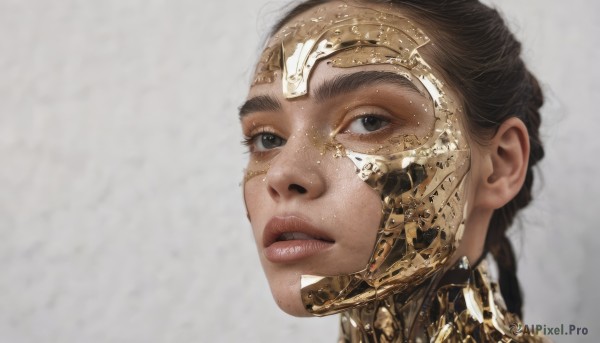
<point x="121" y="218"/>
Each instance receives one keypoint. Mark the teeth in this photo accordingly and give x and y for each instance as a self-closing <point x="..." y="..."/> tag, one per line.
<point x="291" y="236"/>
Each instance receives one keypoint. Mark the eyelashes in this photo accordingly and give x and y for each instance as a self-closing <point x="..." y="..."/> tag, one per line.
<point x="263" y="141"/>
<point x="366" y="124"/>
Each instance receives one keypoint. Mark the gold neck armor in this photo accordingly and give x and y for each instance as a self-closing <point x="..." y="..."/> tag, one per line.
<point x="460" y="306"/>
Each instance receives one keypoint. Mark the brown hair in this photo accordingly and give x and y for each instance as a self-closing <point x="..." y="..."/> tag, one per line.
<point x="481" y="59"/>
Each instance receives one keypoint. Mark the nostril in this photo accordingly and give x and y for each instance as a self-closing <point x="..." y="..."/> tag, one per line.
<point x="297" y="188"/>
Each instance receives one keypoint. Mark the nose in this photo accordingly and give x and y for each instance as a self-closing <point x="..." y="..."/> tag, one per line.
<point x="296" y="172"/>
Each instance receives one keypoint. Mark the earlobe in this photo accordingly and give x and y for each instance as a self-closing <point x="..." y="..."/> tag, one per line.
<point x="507" y="160"/>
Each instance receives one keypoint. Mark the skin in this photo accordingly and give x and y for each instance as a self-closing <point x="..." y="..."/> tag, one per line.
<point x="334" y="199"/>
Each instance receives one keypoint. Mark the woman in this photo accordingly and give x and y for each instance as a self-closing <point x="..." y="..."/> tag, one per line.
<point x="391" y="145"/>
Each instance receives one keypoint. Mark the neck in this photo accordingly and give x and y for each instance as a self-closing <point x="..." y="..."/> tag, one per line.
<point x="462" y="305"/>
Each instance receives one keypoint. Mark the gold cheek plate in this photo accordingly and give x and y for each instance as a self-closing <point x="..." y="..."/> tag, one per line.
<point x="421" y="184"/>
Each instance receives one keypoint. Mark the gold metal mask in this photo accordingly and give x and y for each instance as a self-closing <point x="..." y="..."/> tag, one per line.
<point x="420" y="181"/>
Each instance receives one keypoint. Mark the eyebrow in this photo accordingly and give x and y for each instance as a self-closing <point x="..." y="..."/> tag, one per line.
<point x="261" y="103"/>
<point x="352" y="82"/>
<point x="329" y="89"/>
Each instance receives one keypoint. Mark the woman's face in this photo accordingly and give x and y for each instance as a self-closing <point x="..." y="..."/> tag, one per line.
<point x="310" y="212"/>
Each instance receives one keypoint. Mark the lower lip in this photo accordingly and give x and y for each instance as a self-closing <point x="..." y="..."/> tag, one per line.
<point x="291" y="251"/>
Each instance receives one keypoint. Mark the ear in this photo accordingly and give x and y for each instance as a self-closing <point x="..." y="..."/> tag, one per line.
<point x="505" y="165"/>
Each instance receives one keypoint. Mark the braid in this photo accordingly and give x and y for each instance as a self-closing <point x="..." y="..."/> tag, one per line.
<point x="496" y="241"/>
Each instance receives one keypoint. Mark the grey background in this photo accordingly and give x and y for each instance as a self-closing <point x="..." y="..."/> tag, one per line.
<point x="121" y="217"/>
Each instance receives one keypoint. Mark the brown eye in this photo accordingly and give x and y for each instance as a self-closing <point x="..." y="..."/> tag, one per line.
<point x="367" y="124"/>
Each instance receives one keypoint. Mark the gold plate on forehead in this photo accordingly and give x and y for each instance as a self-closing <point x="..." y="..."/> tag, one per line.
<point x="296" y="49"/>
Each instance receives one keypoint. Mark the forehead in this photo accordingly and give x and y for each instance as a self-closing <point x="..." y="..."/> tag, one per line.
<point x="349" y="35"/>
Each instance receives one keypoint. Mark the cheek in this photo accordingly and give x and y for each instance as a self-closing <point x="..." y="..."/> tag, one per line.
<point x="254" y="198"/>
<point x="357" y="211"/>
<point x="367" y="214"/>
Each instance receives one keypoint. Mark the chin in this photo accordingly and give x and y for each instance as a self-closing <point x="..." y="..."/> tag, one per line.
<point x="286" y="294"/>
